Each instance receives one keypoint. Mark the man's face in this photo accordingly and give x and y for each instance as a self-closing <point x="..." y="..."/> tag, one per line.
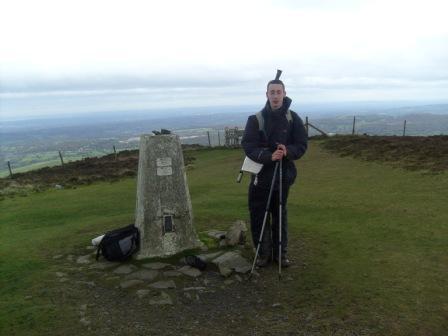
<point x="275" y="95"/>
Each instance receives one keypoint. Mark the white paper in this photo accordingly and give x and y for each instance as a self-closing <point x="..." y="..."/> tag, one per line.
<point x="251" y="166"/>
<point x="96" y="241"/>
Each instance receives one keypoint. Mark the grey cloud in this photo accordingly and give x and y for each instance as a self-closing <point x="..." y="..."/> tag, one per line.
<point x="113" y="82"/>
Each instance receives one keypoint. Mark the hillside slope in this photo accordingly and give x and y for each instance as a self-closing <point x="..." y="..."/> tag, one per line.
<point x="368" y="243"/>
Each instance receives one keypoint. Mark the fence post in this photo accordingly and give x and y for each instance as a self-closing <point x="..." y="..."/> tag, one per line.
<point x="208" y="135"/>
<point x="10" y="170"/>
<point x="115" y="152"/>
<point x="404" y="128"/>
<point x="60" y="155"/>
<point x="354" y="122"/>
<point x="219" y="139"/>
<point x="306" y="126"/>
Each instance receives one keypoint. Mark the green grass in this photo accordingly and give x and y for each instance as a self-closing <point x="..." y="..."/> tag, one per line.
<point x="370" y="241"/>
<point x="44" y="159"/>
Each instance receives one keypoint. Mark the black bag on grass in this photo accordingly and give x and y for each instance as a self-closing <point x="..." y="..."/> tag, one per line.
<point x="119" y="244"/>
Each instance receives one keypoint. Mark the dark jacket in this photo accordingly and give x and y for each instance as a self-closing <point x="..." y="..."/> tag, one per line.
<point x="259" y="145"/>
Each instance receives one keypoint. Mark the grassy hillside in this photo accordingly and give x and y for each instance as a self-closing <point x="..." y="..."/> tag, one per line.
<point x="368" y="242"/>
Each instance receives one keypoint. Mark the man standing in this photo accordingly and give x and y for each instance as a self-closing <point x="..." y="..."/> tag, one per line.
<point x="275" y="133"/>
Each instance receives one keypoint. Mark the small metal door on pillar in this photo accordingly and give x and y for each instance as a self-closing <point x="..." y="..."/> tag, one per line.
<point x="163" y="212"/>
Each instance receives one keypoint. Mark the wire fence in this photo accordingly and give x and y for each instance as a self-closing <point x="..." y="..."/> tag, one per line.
<point x="229" y="137"/>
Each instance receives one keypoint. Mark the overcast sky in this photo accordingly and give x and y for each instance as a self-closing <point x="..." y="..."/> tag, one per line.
<point x="59" y="57"/>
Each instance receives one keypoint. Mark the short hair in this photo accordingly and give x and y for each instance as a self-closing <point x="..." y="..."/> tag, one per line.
<point x="275" y="81"/>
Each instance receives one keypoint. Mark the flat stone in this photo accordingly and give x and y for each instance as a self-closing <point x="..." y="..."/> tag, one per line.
<point x="84" y="322"/>
<point x="102" y="265"/>
<point x="216" y="234"/>
<point x="61" y="274"/>
<point x="141" y="293"/>
<point x="276" y="305"/>
<point x="59" y="256"/>
<point x="87" y="283"/>
<point x="156" y="265"/>
<point x="163" y="284"/>
<point x="162" y="299"/>
<point x="84" y="259"/>
<point x="90" y="248"/>
<point x="228" y="282"/>
<point x="125" y="269"/>
<point x="146" y="275"/>
<point x="224" y="270"/>
<point x="190" y="271"/>
<point x="187" y="289"/>
<point x="130" y="283"/>
<point x="172" y="273"/>
<point x="210" y="256"/>
<point x="237" y="277"/>
<point x="70" y="257"/>
<point x="233" y="261"/>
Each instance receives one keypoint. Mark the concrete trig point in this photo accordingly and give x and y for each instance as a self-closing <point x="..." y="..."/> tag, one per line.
<point x="163" y="213"/>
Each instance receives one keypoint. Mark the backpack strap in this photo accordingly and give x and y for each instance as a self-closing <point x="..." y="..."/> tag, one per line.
<point x="260" y="120"/>
<point x="289" y="116"/>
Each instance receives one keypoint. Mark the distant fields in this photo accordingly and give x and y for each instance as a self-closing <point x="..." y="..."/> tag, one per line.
<point x="369" y="242"/>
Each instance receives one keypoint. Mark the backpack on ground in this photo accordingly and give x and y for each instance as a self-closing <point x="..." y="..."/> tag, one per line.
<point x="119" y="244"/>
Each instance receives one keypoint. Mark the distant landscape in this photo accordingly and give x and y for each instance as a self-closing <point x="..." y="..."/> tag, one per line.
<point x="34" y="143"/>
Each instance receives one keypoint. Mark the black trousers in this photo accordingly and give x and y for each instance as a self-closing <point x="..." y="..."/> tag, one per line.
<point x="258" y="198"/>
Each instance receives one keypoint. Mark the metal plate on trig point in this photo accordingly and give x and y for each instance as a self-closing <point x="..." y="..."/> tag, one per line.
<point x="164" y="171"/>
<point x="168" y="224"/>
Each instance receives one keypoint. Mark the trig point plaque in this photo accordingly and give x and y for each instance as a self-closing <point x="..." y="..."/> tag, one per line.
<point x="163" y="213"/>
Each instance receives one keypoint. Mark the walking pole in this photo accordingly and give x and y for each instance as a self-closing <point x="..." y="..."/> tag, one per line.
<point x="280" y="220"/>
<point x="265" y="217"/>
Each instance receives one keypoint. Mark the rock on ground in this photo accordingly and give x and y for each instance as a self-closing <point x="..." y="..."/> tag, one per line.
<point x="162" y="299"/>
<point x="84" y="259"/>
<point x="237" y="233"/>
<point x="190" y="271"/>
<point x="172" y="273"/>
<point x="232" y="261"/>
<point x="146" y="275"/>
<point x="156" y="265"/>
<point x="125" y="269"/>
<point x="130" y="283"/>
<point x="141" y="293"/>
<point x="163" y="284"/>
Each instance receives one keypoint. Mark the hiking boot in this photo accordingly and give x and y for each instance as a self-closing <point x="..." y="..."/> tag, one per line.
<point x="262" y="261"/>
<point x="284" y="262"/>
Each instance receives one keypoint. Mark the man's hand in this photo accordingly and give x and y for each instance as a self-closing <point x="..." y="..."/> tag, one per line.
<point x="279" y="153"/>
<point x="282" y="148"/>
